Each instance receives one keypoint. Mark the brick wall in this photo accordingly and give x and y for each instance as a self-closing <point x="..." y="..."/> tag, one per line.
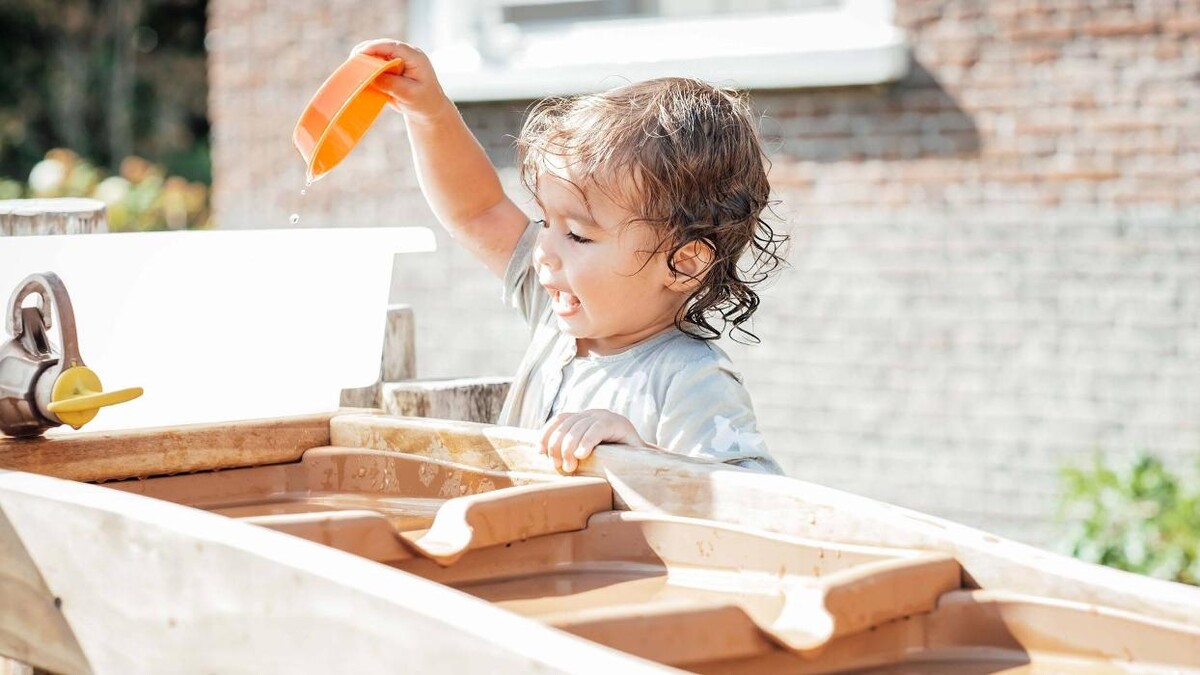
<point x="995" y="265"/>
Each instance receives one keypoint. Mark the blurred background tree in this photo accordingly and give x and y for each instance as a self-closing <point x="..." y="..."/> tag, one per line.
<point x="91" y="86"/>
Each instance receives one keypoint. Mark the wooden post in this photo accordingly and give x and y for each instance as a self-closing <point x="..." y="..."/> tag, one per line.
<point x="399" y="345"/>
<point x="52" y="216"/>
<point x="397" y="392"/>
<point x="398" y="361"/>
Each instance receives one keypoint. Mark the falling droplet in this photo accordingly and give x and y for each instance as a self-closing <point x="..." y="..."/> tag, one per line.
<point x="303" y="191"/>
<point x="295" y="218"/>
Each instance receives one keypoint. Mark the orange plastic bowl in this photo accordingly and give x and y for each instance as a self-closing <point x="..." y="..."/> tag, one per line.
<point x="340" y="113"/>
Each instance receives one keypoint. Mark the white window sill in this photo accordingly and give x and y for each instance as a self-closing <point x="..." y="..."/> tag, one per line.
<point x="752" y="52"/>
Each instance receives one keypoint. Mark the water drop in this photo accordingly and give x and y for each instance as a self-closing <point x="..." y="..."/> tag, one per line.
<point x="303" y="192"/>
<point x="295" y="218"/>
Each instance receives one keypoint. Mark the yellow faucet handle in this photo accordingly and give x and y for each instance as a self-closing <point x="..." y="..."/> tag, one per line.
<point x="77" y="396"/>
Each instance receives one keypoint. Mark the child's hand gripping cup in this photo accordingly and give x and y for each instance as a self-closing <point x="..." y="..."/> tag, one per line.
<point x="341" y="112"/>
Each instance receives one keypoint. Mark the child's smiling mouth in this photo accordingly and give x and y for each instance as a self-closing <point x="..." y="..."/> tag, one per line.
<point x="563" y="303"/>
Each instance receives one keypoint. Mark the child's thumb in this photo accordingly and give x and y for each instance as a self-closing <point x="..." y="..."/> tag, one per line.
<point x="401" y="90"/>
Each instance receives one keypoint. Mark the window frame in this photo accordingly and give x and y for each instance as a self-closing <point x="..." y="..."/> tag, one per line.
<point x="854" y="44"/>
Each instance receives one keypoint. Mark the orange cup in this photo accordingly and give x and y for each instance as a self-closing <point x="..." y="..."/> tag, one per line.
<point x="340" y="113"/>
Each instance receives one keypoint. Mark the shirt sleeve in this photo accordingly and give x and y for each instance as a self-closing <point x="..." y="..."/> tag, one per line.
<point x="707" y="413"/>
<point x="522" y="291"/>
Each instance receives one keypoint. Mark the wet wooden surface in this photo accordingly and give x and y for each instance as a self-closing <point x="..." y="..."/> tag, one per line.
<point x="97" y="456"/>
<point x="644" y="480"/>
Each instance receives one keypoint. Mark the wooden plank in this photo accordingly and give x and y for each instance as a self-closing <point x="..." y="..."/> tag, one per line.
<point x="399" y="360"/>
<point x="96" y="456"/>
<point x="32" y="628"/>
<point x="644" y="480"/>
<point x="149" y="586"/>
<point x="360" y="397"/>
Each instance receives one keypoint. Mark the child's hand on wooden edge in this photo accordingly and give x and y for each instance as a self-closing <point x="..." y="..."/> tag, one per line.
<point x="570" y="437"/>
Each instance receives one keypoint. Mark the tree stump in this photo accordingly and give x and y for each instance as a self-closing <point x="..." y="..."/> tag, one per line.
<point x="52" y="216"/>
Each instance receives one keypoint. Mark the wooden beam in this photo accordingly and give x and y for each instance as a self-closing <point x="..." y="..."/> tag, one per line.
<point x="96" y="456"/>
<point x="399" y="360"/>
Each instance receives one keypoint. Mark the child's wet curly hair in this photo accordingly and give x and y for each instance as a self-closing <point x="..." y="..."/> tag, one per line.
<point x="686" y="156"/>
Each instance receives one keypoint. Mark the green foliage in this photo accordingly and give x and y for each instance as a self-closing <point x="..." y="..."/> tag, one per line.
<point x="106" y="79"/>
<point x="1140" y="518"/>
<point x="140" y="197"/>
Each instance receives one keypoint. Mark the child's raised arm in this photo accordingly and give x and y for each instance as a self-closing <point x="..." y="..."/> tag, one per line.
<point x="454" y="173"/>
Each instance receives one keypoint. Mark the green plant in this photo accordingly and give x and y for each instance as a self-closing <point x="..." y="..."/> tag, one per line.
<point x="106" y="79"/>
<point x="1140" y="518"/>
<point x="139" y="197"/>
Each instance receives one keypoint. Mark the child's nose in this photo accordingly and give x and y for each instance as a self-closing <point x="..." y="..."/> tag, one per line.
<point x="543" y="255"/>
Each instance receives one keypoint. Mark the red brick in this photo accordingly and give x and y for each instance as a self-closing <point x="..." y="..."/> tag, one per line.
<point x="1081" y="174"/>
<point x="1053" y="33"/>
<point x="1158" y="172"/>
<point x="1119" y="28"/>
<point x="1157" y="196"/>
<point x="1161" y="98"/>
<point x="1123" y="122"/>
<point x="1184" y="26"/>
<point x="1039" y="55"/>
<point x="963" y="54"/>
<point x="1167" y="51"/>
<point x="1026" y="128"/>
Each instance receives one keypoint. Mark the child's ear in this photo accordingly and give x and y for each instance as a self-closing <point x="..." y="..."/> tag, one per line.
<point x="693" y="261"/>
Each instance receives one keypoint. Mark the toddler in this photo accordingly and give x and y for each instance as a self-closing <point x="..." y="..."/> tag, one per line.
<point x="648" y="195"/>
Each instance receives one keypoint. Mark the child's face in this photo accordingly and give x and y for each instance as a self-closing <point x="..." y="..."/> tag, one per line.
<point x="603" y="290"/>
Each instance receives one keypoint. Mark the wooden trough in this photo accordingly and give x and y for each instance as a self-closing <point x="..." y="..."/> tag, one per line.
<point x="361" y="542"/>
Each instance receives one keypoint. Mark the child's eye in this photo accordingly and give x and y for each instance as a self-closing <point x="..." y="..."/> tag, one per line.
<point x="578" y="239"/>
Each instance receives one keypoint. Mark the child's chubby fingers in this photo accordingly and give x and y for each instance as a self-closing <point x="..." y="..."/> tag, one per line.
<point x="548" y="428"/>
<point x="592" y="428"/>
<point x="595" y="435"/>
<point x="412" y="86"/>
<point x="398" y="86"/>
<point x="582" y="440"/>
<point x="580" y="426"/>
<point x="552" y="438"/>
<point x="563" y="441"/>
<point x="412" y="98"/>
<point x="392" y="49"/>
